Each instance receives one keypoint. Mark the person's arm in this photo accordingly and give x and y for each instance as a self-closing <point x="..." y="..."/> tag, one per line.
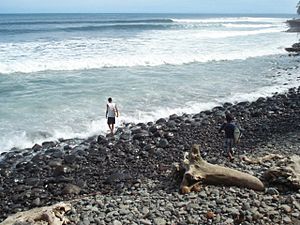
<point x="222" y="127"/>
<point x="239" y="127"/>
<point x="117" y="112"/>
<point x="106" y="111"/>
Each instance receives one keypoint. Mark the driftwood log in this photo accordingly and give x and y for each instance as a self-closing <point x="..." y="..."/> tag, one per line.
<point x="50" y="215"/>
<point x="197" y="171"/>
<point x="285" y="172"/>
<point x="262" y="160"/>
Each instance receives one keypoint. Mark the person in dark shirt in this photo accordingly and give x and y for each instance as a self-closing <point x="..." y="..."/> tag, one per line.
<point x="232" y="133"/>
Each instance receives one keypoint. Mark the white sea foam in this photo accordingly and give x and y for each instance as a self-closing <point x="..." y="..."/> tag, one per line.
<point x="145" y="48"/>
<point x="131" y="61"/>
<point x="23" y="139"/>
<point x="226" y="34"/>
<point x="93" y="54"/>
<point x="234" y="25"/>
<point x="231" y="19"/>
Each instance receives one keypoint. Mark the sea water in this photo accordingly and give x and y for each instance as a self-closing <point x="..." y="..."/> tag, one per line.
<point x="57" y="70"/>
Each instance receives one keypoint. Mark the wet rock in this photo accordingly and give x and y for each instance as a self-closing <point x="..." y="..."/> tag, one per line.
<point x="102" y="140"/>
<point x="171" y="124"/>
<point x="48" y="144"/>
<point x="36" y="147"/>
<point x="227" y="104"/>
<point x="70" y="159"/>
<point x="207" y="112"/>
<point x="142" y="134"/>
<point x="67" y="147"/>
<point x="161" y="121"/>
<point x="126" y="135"/>
<point x="136" y="130"/>
<point x="158" y="133"/>
<point x="55" y="153"/>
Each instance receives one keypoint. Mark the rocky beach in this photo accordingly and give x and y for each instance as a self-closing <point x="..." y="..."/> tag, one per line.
<point x="127" y="179"/>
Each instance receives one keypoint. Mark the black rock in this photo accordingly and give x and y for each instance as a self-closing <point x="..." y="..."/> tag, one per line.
<point x="70" y="159"/>
<point x="227" y="104"/>
<point x="163" y="143"/>
<point x="161" y="120"/>
<point x="171" y="124"/>
<point x="173" y="116"/>
<point x="67" y="147"/>
<point x="102" y="140"/>
<point x="153" y="128"/>
<point x="158" y="133"/>
<point x="36" y="147"/>
<point x="136" y="130"/>
<point x="126" y="135"/>
<point x="207" y="112"/>
<point x="48" y="144"/>
<point x="141" y="135"/>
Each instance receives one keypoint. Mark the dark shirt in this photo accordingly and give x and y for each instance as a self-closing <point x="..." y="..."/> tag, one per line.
<point x="229" y="129"/>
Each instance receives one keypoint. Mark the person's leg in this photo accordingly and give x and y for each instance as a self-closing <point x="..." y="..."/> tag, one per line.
<point x="230" y="155"/>
<point x="113" y="121"/>
<point x="112" y="128"/>
<point x="225" y="146"/>
<point x="109" y="123"/>
<point x="230" y="146"/>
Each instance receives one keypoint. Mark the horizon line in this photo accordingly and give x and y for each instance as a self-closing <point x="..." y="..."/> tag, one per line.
<point x="224" y="13"/>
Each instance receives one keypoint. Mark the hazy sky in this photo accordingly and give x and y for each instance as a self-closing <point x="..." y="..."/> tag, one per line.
<point x="158" y="6"/>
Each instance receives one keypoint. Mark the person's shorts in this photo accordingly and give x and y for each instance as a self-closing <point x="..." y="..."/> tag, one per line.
<point x="228" y="144"/>
<point x="111" y="120"/>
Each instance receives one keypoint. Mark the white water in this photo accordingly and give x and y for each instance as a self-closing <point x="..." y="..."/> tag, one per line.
<point x="185" y="44"/>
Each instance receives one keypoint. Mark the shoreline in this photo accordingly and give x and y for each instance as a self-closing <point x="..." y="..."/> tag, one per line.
<point x="233" y="101"/>
<point x="138" y="159"/>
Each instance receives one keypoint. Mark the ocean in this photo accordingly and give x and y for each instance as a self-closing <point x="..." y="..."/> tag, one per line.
<point x="57" y="70"/>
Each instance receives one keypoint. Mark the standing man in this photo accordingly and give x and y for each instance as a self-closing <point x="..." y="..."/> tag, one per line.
<point x="111" y="113"/>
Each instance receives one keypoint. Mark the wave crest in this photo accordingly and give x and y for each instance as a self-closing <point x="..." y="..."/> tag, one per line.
<point x="126" y="61"/>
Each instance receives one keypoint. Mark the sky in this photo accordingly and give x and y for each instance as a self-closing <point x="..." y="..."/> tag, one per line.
<point x="148" y="6"/>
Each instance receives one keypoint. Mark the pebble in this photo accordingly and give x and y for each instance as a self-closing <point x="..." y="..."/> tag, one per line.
<point x="286" y="208"/>
<point x="117" y="222"/>
<point x="145" y="222"/>
<point x="272" y="191"/>
<point x="287" y="220"/>
<point x="160" y="221"/>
